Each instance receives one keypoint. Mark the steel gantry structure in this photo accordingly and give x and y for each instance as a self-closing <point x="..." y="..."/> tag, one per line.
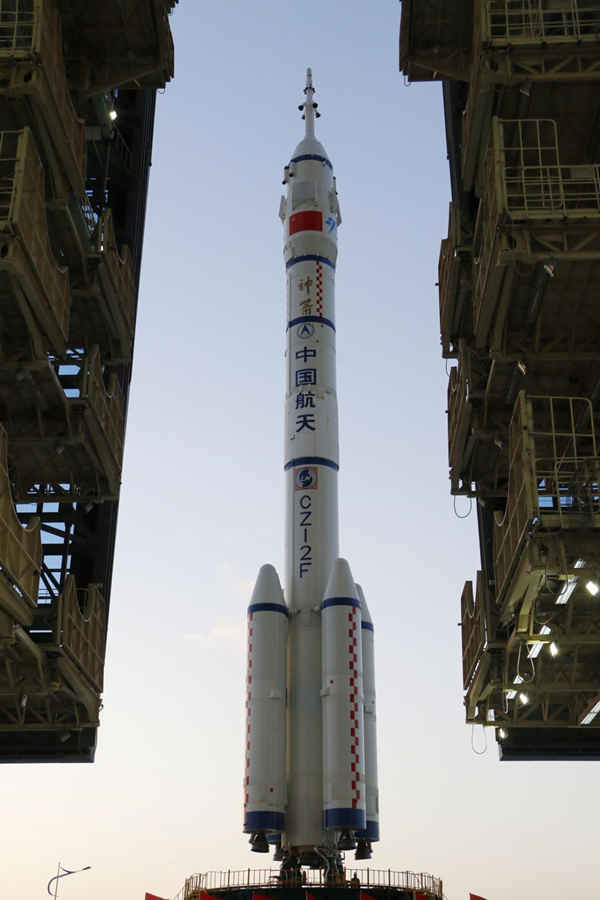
<point x="519" y="275"/>
<point x="78" y="80"/>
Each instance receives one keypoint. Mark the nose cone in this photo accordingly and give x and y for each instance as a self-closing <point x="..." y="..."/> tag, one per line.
<point x="267" y="588"/>
<point x="341" y="583"/>
<point x="366" y="615"/>
<point x="310" y="146"/>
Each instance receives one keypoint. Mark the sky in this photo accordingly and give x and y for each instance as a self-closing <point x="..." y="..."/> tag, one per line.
<point x="202" y="503"/>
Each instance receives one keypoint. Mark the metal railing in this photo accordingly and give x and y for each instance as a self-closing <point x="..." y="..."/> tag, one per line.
<point x="29" y="213"/>
<point x="80" y="629"/>
<point x="32" y="59"/>
<point x="459" y="412"/>
<point x="447" y="277"/>
<point x="510" y="528"/>
<point x="472" y="626"/>
<point x="523" y="182"/>
<point x="22" y="210"/>
<point x="452" y="277"/>
<point x="535" y="21"/>
<point x="552" y="191"/>
<point x="16" y="24"/>
<point x="107" y="406"/>
<point x="11" y="149"/>
<point x="554" y="474"/>
<point x="271" y="878"/>
<point x="529" y="177"/>
<point x="119" y="267"/>
<point x="464" y="379"/>
<point x="20" y="548"/>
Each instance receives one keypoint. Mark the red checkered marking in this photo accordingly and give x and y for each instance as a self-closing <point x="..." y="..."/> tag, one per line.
<point x="248" y="710"/>
<point x="319" y="288"/>
<point x="353" y="618"/>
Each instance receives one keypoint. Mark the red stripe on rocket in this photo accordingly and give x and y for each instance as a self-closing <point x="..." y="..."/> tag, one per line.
<point x="308" y="220"/>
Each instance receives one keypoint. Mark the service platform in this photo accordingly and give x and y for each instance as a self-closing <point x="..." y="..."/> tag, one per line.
<point x="351" y="884"/>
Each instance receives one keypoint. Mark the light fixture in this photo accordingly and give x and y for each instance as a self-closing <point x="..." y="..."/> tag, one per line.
<point x="591" y="714"/>
<point x="113" y="114"/>
<point x="536" y="648"/>
<point x="570" y="584"/>
<point x="553" y="649"/>
<point x="524" y="699"/>
<point x="565" y="594"/>
<point x="501" y="733"/>
<point x="592" y="587"/>
<point x="510" y="695"/>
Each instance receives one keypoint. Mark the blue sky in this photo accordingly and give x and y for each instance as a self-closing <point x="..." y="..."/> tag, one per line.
<point x="202" y="500"/>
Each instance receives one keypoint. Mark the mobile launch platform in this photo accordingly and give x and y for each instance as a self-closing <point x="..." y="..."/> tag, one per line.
<point x="350" y="884"/>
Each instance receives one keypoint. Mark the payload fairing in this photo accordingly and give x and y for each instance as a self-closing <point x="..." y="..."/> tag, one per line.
<point x="310" y="784"/>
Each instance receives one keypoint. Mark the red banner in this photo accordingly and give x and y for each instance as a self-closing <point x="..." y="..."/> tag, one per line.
<point x="261" y="897"/>
<point x="364" y="896"/>
<point x="475" y="897"/>
<point x="308" y="220"/>
<point x="154" y="897"/>
<point x="421" y="897"/>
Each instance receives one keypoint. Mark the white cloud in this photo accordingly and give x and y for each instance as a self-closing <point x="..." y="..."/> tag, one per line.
<point x="224" y="631"/>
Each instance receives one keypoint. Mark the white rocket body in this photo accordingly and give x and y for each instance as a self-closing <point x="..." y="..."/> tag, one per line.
<point x="324" y="782"/>
<point x="371" y="832"/>
<point x="264" y="776"/>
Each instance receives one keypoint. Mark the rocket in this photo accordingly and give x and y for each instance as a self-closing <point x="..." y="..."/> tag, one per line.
<point x="310" y="781"/>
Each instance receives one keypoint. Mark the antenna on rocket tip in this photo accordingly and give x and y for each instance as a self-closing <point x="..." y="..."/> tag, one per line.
<point x="309" y="109"/>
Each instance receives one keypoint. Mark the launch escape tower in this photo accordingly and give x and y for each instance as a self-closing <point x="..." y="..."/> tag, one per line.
<point x="77" y="94"/>
<point x="519" y="276"/>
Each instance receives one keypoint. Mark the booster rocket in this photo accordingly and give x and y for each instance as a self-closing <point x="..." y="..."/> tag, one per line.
<point x="310" y="784"/>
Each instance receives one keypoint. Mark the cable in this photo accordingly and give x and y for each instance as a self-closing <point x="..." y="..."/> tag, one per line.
<point x="468" y="513"/>
<point x="478" y="752"/>
<point x="529" y="679"/>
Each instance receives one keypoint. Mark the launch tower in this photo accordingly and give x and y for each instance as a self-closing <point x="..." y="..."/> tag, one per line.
<point x="519" y="273"/>
<point x="78" y="80"/>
